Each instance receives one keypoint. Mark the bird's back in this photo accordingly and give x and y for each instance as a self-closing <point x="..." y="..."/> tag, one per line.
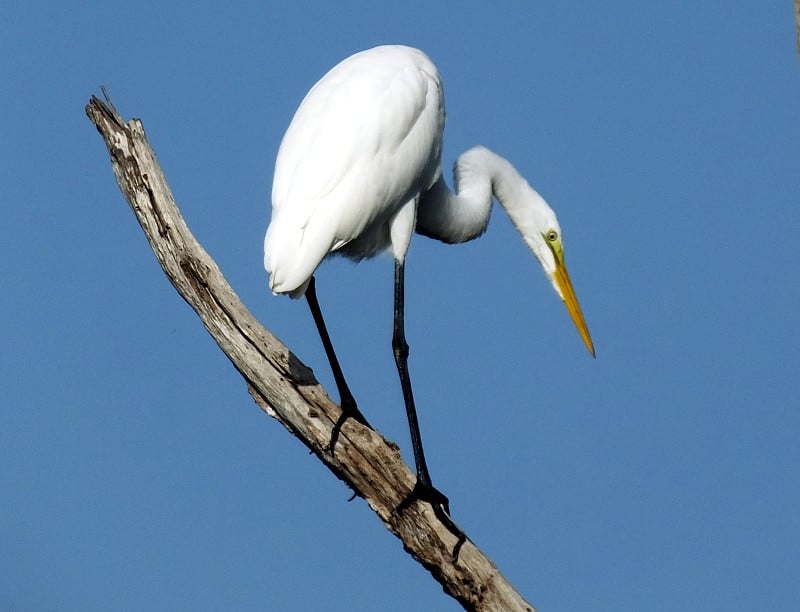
<point x="365" y="140"/>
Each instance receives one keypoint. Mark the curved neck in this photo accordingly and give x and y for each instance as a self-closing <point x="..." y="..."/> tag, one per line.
<point x="464" y="215"/>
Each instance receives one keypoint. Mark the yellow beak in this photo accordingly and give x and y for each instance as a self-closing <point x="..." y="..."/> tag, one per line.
<point x="571" y="302"/>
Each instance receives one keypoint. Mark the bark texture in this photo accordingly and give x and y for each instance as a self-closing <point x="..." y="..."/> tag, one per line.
<point x="797" y="21"/>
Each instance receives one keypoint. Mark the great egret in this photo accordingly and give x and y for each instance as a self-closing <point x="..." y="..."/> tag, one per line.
<point x="359" y="170"/>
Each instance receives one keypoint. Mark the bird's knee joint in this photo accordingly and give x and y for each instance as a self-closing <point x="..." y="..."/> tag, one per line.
<point x="400" y="348"/>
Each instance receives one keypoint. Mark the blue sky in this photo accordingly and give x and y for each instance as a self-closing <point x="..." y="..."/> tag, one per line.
<point x="136" y="471"/>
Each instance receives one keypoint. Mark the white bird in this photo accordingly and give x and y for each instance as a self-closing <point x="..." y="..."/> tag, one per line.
<point x="359" y="170"/>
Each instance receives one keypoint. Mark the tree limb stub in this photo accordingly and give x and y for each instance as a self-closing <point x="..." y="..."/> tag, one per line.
<point x="285" y="388"/>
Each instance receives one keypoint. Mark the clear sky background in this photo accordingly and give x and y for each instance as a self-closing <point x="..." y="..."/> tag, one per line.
<point x="137" y="474"/>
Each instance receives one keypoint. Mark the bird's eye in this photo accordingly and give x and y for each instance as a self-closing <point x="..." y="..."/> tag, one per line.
<point x="552" y="236"/>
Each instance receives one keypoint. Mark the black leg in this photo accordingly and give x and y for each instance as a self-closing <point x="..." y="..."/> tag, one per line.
<point x="400" y="348"/>
<point x="346" y="400"/>
<point x="424" y="488"/>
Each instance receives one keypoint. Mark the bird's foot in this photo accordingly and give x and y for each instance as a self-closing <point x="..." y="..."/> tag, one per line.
<point x="441" y="508"/>
<point x="426" y="492"/>
<point x="349" y="411"/>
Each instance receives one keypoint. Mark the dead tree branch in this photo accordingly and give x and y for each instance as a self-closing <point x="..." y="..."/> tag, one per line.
<point x="797" y="22"/>
<point x="285" y="388"/>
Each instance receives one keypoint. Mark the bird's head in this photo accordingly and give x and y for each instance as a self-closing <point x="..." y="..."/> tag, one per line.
<point x="549" y="250"/>
<point x="531" y="215"/>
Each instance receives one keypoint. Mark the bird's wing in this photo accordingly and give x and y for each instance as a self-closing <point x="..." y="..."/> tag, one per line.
<point x="360" y="142"/>
<point x="365" y="140"/>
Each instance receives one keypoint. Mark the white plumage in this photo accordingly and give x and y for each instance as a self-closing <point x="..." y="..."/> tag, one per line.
<point x="359" y="170"/>
<point x="364" y="143"/>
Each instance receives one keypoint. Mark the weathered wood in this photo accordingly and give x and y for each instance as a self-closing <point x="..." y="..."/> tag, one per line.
<point x="797" y="22"/>
<point x="285" y="388"/>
